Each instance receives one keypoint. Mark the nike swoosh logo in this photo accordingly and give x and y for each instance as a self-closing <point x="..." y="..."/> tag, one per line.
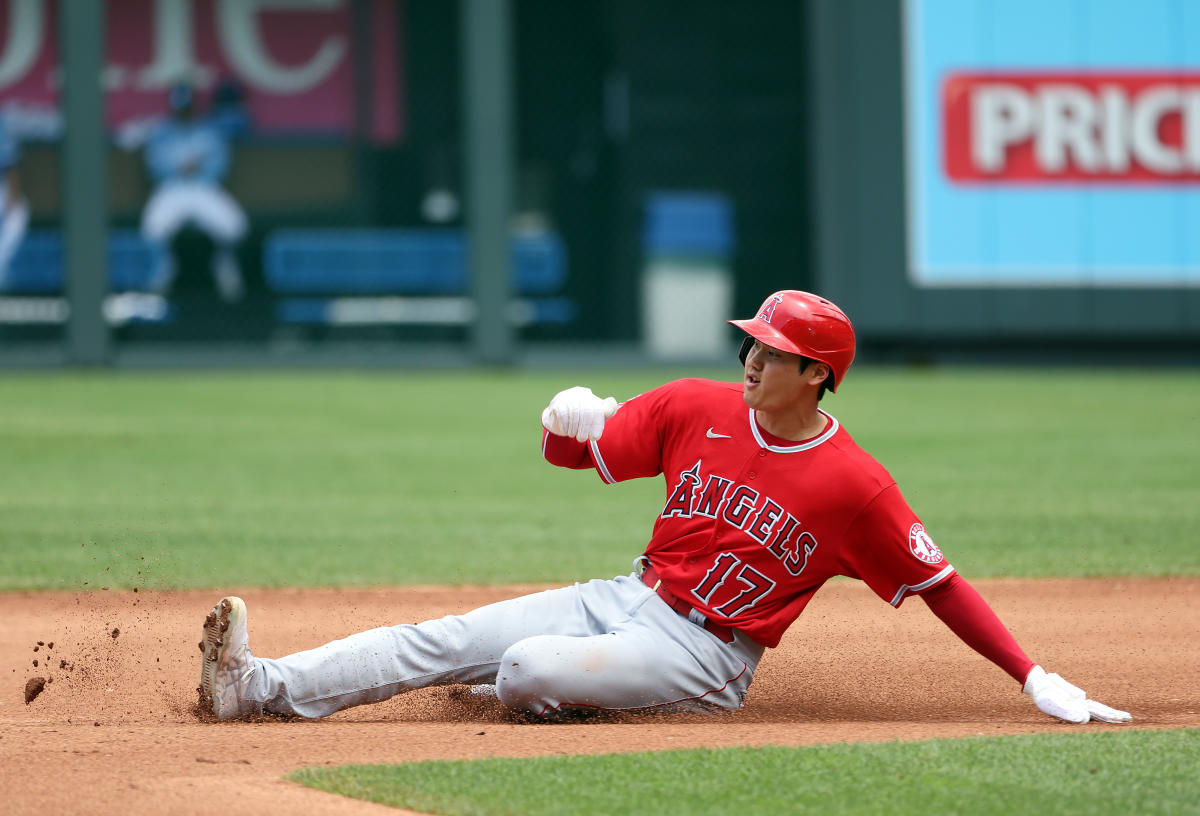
<point x="713" y="435"/>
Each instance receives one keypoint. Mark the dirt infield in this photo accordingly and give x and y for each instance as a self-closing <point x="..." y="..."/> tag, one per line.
<point x="113" y="730"/>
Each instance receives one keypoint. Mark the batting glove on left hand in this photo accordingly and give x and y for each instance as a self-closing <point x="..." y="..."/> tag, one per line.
<point x="579" y="413"/>
<point x="1058" y="698"/>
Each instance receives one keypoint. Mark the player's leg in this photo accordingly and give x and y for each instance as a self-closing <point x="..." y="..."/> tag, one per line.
<point x="220" y="216"/>
<point x="217" y="213"/>
<point x="653" y="659"/>
<point x="375" y="665"/>
<point x="164" y="215"/>
<point x="166" y="211"/>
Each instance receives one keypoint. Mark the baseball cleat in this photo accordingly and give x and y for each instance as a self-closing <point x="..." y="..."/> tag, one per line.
<point x="227" y="665"/>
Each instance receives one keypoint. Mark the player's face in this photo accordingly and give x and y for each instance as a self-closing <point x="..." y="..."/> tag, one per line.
<point x="773" y="380"/>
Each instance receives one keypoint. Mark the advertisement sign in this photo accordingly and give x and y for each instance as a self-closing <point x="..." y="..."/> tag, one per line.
<point x="294" y="59"/>
<point x="1053" y="144"/>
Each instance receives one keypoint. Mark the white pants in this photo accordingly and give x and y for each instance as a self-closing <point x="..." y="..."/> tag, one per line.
<point x="609" y="645"/>
<point x="177" y="203"/>
<point x="214" y="211"/>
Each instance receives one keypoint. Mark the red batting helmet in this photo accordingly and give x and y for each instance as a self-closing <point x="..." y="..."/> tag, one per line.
<point x="807" y="325"/>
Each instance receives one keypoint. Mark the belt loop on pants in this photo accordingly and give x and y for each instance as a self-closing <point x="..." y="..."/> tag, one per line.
<point x="650" y="578"/>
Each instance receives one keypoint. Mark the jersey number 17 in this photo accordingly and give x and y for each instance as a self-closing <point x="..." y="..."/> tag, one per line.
<point x="757" y="586"/>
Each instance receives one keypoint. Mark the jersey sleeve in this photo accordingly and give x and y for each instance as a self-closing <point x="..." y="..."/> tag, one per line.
<point x="627" y="449"/>
<point x="158" y="158"/>
<point x="888" y="548"/>
<point x="631" y="445"/>
<point x="564" y="451"/>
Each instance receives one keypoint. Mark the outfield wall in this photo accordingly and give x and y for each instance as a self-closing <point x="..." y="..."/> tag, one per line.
<point x="963" y="176"/>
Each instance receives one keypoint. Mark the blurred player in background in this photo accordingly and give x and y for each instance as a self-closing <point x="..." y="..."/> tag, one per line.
<point x="188" y="157"/>
<point x="14" y="207"/>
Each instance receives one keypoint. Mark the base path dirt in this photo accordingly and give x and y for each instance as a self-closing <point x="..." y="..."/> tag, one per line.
<point x="114" y="730"/>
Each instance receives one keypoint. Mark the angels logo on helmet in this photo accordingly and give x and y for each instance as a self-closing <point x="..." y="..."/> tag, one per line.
<point x="768" y="308"/>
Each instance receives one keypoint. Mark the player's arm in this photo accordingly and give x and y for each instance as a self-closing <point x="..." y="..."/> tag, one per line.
<point x="969" y="616"/>
<point x="578" y="413"/>
<point x="631" y="447"/>
<point x="572" y="419"/>
<point x="158" y="154"/>
<point x="564" y="451"/>
<point x="890" y="550"/>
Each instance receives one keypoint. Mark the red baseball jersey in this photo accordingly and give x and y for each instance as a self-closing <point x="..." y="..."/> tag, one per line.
<point x="752" y="524"/>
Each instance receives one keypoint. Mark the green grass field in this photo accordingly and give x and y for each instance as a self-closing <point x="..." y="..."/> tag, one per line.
<point x="299" y="479"/>
<point x="217" y="480"/>
<point x="1112" y="773"/>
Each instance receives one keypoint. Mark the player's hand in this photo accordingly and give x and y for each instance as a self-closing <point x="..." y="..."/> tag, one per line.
<point x="579" y="413"/>
<point x="1058" y="698"/>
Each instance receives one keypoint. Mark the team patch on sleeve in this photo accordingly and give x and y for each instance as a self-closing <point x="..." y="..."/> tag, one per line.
<point x="922" y="546"/>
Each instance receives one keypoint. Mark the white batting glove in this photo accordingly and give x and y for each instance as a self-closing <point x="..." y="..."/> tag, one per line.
<point x="579" y="413"/>
<point x="1058" y="698"/>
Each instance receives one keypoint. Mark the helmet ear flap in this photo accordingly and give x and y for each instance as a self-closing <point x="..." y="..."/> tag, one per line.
<point x="744" y="351"/>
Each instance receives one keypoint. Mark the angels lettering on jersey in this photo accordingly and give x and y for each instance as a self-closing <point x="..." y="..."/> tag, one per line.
<point x="743" y="508"/>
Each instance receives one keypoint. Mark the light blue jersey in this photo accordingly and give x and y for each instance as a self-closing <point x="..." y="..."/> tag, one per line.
<point x="195" y="151"/>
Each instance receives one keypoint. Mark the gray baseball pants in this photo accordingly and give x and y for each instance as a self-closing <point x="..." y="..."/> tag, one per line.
<point x="609" y="645"/>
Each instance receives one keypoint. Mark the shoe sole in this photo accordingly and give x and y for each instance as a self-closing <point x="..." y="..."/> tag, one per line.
<point x="215" y="626"/>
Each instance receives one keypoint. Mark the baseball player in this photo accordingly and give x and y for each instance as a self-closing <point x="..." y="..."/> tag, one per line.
<point x="188" y="157"/>
<point x="14" y="207"/>
<point x="767" y="497"/>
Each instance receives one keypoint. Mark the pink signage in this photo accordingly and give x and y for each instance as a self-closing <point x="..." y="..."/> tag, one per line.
<point x="295" y="60"/>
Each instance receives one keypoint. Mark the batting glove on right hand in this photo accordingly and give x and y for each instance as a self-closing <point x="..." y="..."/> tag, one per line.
<point x="1058" y="698"/>
<point x="579" y="413"/>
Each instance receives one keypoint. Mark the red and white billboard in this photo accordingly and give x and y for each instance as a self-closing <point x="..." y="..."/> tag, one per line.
<point x="1072" y="127"/>
<point x="295" y="59"/>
